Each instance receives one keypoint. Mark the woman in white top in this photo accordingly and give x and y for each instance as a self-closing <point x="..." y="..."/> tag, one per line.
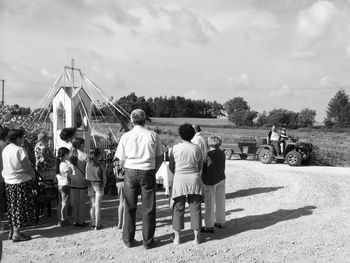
<point x="18" y="175"/>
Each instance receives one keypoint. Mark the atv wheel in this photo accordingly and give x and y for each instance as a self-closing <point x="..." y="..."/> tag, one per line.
<point x="293" y="158"/>
<point x="228" y="154"/>
<point x="265" y="156"/>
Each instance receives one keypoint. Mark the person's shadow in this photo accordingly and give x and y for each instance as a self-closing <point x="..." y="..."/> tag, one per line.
<point x="239" y="225"/>
<point x="252" y="191"/>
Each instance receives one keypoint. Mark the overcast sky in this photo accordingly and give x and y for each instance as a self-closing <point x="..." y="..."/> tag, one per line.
<point x="274" y="53"/>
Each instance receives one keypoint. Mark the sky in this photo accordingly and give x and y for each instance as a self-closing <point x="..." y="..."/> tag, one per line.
<point x="290" y="54"/>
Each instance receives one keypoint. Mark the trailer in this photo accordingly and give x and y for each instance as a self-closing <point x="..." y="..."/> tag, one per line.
<point x="242" y="147"/>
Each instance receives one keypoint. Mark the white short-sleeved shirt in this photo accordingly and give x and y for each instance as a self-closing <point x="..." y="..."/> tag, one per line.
<point x="139" y="148"/>
<point x="198" y="140"/>
<point x="65" y="172"/>
<point x="13" y="171"/>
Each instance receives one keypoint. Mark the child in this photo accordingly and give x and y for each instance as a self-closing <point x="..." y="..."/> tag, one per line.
<point x="63" y="175"/>
<point x="213" y="177"/>
<point x="119" y="176"/>
<point x="96" y="175"/>
<point x="283" y="138"/>
<point x="78" y="184"/>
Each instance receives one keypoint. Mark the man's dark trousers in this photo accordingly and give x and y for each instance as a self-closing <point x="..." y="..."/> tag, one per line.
<point x="134" y="181"/>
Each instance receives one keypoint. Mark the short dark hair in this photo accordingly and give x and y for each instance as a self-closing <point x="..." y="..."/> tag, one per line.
<point x="67" y="133"/>
<point x="97" y="153"/>
<point x="186" y="132"/>
<point x="3" y="132"/>
<point x="197" y="128"/>
<point x="14" y="134"/>
<point x="78" y="142"/>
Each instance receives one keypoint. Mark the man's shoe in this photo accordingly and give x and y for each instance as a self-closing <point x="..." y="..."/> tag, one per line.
<point x="133" y="243"/>
<point x="152" y="244"/>
<point x="99" y="227"/>
<point x="207" y="230"/>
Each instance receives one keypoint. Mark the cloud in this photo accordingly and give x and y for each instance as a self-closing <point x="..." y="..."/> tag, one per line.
<point x="311" y="25"/>
<point x="302" y="54"/>
<point x="185" y="26"/>
<point x="247" y="19"/>
<point x="239" y="81"/>
<point x="328" y="82"/>
<point x="348" y="49"/>
<point x="123" y="17"/>
<point x="84" y="53"/>
<point x="194" y="94"/>
<point x="283" y="91"/>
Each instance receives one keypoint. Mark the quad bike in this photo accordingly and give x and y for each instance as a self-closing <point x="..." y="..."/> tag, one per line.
<point x="294" y="153"/>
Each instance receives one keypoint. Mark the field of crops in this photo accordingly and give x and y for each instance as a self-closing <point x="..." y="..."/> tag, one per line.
<point x="330" y="148"/>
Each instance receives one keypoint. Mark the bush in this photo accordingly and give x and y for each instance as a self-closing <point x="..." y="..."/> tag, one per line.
<point x="329" y="157"/>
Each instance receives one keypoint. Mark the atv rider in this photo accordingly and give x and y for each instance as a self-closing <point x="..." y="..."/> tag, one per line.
<point x="284" y="137"/>
<point x="273" y="138"/>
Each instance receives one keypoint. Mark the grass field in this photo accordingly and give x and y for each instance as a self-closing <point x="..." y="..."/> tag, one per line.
<point x="330" y="148"/>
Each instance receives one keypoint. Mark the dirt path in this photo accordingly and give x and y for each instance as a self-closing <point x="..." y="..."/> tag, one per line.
<point x="275" y="213"/>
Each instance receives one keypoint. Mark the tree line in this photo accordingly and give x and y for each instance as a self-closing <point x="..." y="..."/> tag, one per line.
<point x="237" y="111"/>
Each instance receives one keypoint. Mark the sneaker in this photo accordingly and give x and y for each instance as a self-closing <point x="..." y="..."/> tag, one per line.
<point x="92" y="227"/>
<point x="99" y="227"/>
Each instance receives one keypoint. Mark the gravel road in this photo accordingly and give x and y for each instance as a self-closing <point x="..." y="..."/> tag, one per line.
<point x="275" y="213"/>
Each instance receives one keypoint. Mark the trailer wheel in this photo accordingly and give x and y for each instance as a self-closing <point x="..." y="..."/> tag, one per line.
<point x="243" y="156"/>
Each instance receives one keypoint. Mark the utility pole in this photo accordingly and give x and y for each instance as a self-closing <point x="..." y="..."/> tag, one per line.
<point x="3" y="92"/>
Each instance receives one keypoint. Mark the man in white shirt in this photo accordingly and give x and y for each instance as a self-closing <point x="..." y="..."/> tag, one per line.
<point x="198" y="140"/>
<point x="273" y="138"/>
<point x="140" y="151"/>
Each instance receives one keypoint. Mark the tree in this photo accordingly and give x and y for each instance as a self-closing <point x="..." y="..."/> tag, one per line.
<point x="238" y="112"/>
<point x="283" y="118"/>
<point x="338" y="110"/>
<point x="306" y="118"/>
<point x="262" y="119"/>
